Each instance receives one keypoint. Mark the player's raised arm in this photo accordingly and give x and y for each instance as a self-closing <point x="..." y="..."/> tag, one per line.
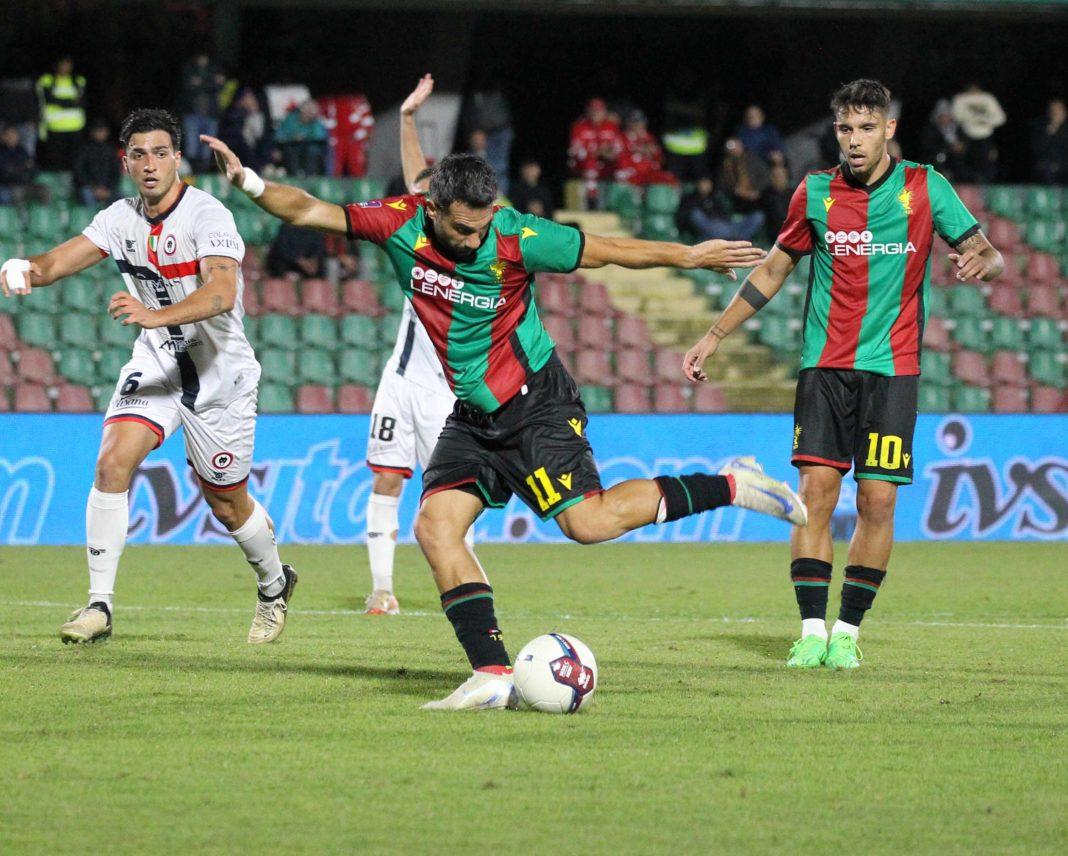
<point x="20" y="276"/>
<point x="288" y="203"/>
<point x="759" y="287"/>
<point x="413" y="161"/>
<point x="635" y="253"/>
<point x="216" y="295"/>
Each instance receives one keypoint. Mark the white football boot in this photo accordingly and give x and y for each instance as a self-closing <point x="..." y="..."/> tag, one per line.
<point x="381" y="602"/>
<point x="481" y="691"/>
<point x="269" y="619"/>
<point x="756" y="490"/>
<point x="91" y="623"/>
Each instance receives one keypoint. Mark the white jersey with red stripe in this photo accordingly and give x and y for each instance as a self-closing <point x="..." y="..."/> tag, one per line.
<point x="414" y="357"/>
<point x="210" y="361"/>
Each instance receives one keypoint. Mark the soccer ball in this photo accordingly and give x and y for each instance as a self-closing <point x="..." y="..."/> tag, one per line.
<point x="555" y="674"/>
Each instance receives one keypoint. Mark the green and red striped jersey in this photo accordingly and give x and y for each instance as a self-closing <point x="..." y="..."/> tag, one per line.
<point x="480" y="314"/>
<point x="871" y="263"/>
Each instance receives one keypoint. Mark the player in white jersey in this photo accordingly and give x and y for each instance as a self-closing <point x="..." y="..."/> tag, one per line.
<point x="412" y="402"/>
<point x="179" y="254"/>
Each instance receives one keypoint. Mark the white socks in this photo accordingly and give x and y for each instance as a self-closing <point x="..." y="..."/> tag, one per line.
<point x="107" y="517"/>
<point x="256" y="540"/>
<point x="382" y="538"/>
<point x="813" y="627"/>
<point x="841" y="627"/>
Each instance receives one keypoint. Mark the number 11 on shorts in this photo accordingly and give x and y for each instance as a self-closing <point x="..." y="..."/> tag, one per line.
<point x="545" y="493"/>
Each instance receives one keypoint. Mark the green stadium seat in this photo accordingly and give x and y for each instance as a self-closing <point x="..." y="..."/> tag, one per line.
<point x="388" y="327"/>
<point x="624" y="200"/>
<point x="60" y="184"/>
<point x="43" y="224"/>
<point x="319" y="330"/>
<point x="102" y="396"/>
<point x="252" y="329"/>
<point x="1045" y="334"/>
<point x="328" y="189"/>
<point x="216" y="184"/>
<point x="360" y="331"/>
<point x="970" y="333"/>
<point x="1046" y="235"/>
<point x="366" y="188"/>
<point x="971" y="399"/>
<point x="278" y="366"/>
<point x="662" y="199"/>
<point x="37" y="328"/>
<point x="79" y="329"/>
<point x="82" y="294"/>
<point x="966" y="300"/>
<point x="933" y="399"/>
<point x="110" y="366"/>
<point x="1005" y="201"/>
<point x="789" y="303"/>
<point x="275" y="398"/>
<point x="112" y="333"/>
<point x="598" y="399"/>
<point x="78" y="218"/>
<point x="316" y="365"/>
<point x="937" y="300"/>
<point x="659" y="227"/>
<point x="359" y="366"/>
<point x="390" y="295"/>
<point x="278" y="331"/>
<point x="10" y="223"/>
<point x="1044" y="202"/>
<point x="1007" y="335"/>
<point x="935" y="368"/>
<point x="77" y="366"/>
<point x="1045" y="368"/>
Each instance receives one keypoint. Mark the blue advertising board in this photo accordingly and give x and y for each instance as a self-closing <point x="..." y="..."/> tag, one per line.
<point x="977" y="477"/>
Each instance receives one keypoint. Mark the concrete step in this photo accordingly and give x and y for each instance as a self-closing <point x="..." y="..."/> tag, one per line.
<point x="597" y="222"/>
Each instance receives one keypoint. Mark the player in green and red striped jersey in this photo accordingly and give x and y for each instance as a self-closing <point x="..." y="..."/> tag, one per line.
<point x="870" y="225"/>
<point x="519" y="425"/>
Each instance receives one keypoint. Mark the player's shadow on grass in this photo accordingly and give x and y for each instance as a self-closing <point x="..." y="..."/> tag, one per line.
<point x="767" y="645"/>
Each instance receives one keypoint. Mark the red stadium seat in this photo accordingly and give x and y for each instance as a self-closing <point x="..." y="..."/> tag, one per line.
<point x="359" y="296"/>
<point x="319" y="297"/>
<point x="555" y="296"/>
<point x="279" y="295"/>
<point x="667" y="365"/>
<point x="972" y="197"/>
<point x="593" y="367"/>
<point x="354" y="399"/>
<point x="1049" y="399"/>
<point x="970" y="367"/>
<point x="1043" y="301"/>
<point x="252" y="266"/>
<point x="9" y="340"/>
<point x="250" y="299"/>
<point x="593" y="332"/>
<point x="632" y="332"/>
<point x="1042" y="267"/>
<point x="1010" y="399"/>
<point x="5" y="405"/>
<point x="568" y="359"/>
<point x="631" y="398"/>
<point x="32" y="398"/>
<point x="561" y="330"/>
<point x="935" y="335"/>
<point x="71" y="398"/>
<point x="1007" y="368"/>
<point x="593" y="300"/>
<point x="1003" y="234"/>
<point x="1005" y="300"/>
<point x="1011" y="276"/>
<point x="35" y="366"/>
<point x="671" y="399"/>
<point x="315" y="399"/>
<point x="7" y="371"/>
<point x="709" y="399"/>
<point x="633" y="366"/>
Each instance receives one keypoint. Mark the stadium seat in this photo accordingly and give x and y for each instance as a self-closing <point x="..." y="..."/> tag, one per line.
<point x="624" y="200"/>
<point x="7" y="370"/>
<point x="390" y="295"/>
<point x="354" y="399"/>
<point x="1005" y="201"/>
<point x="935" y="335"/>
<point x="1046" y="235"/>
<point x="1010" y="399"/>
<point x="112" y="333"/>
<point x="73" y="399"/>
<point x="1042" y="268"/>
<point x="361" y="331"/>
<point x="593" y="367"/>
<point x="667" y="365"/>
<point x="633" y="366"/>
<point x="82" y="294"/>
<point x="315" y="399"/>
<point x="662" y="199"/>
<point x="38" y="329"/>
<point x="593" y="332"/>
<point x="102" y="396"/>
<point x="1044" y="333"/>
<point x="316" y="366"/>
<point x="632" y="332"/>
<point x="278" y="366"/>
<point x="358" y="366"/>
<point x="1043" y="202"/>
<point x="598" y="399"/>
<point x="1003" y="233"/>
<point x="31" y="398"/>
<point x="593" y="300"/>
<point x="971" y="333"/>
<point x="279" y="295"/>
<point x="359" y="296"/>
<point x="966" y="300"/>
<point x="1049" y="399"/>
<point x="77" y="366"/>
<point x="387" y="328"/>
<point x="935" y="368"/>
<point x="79" y="330"/>
<point x="933" y="399"/>
<point x="671" y="398"/>
<point x="9" y="339"/>
<point x="278" y="331"/>
<point x="1046" y="368"/>
<point x="1005" y="300"/>
<point x="937" y="299"/>
<point x="275" y="398"/>
<point x="319" y="296"/>
<point x="252" y="330"/>
<point x="43" y="224"/>
<point x="250" y="299"/>
<point x="1006" y="367"/>
<point x="561" y="331"/>
<point x="318" y="330"/>
<point x="1007" y="335"/>
<point x="5" y="403"/>
<point x="1043" y="301"/>
<point x="659" y="227"/>
<point x="79" y="217"/>
<point x="631" y="398"/>
<point x="555" y="297"/>
<point x="110" y="366"/>
<point x="972" y="197"/>
<point x="10" y="223"/>
<point x="708" y="398"/>
<point x="971" y="399"/>
<point x="970" y="367"/>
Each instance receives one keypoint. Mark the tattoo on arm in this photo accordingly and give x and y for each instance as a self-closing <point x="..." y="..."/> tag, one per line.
<point x="216" y="304"/>
<point x="718" y="332"/>
<point x="976" y="242"/>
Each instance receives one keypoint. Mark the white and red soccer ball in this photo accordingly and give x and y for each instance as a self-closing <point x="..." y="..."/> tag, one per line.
<point x="555" y="673"/>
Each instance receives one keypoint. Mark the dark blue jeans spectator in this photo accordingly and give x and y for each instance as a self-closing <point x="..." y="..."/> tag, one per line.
<point x="193" y="125"/>
<point x="708" y="228"/>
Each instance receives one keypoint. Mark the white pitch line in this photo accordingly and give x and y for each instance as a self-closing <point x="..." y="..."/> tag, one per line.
<point x="631" y="619"/>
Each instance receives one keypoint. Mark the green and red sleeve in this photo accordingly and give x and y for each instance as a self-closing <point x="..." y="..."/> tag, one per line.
<point x="795" y="237"/>
<point x="377" y="219"/>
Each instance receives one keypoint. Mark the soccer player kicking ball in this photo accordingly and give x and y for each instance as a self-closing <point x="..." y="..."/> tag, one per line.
<point x="519" y="425"/>
<point x="870" y="225"/>
<point x="179" y="254"/>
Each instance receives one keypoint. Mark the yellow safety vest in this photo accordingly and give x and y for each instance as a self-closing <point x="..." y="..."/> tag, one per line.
<point x="691" y="141"/>
<point x="61" y="99"/>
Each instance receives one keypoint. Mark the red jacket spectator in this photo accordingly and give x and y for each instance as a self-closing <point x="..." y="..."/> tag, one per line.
<point x="596" y="143"/>
<point x="642" y="159"/>
<point x="349" y="121"/>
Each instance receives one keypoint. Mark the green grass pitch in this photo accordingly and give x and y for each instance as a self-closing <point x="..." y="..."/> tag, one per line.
<point x="176" y="736"/>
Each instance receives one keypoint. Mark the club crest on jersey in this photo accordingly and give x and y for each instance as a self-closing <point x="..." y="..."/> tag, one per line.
<point x="498" y="268"/>
<point x="170" y="244"/>
<point x="222" y="460"/>
<point x="828" y="202"/>
<point x="905" y="198"/>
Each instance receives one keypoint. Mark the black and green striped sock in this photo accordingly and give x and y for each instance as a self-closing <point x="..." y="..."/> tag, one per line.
<point x="692" y="494"/>
<point x="812" y="580"/>
<point x="858" y="592"/>
<point x="470" y="609"/>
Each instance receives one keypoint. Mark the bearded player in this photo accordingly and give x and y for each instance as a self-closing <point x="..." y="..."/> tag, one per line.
<point x="870" y="225"/>
<point x="519" y="425"/>
<point x="179" y="254"/>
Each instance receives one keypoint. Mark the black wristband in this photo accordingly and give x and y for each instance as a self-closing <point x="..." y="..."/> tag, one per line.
<point x="752" y="295"/>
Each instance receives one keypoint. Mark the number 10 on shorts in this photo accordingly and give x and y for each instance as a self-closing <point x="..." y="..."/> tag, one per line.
<point x="884" y="452"/>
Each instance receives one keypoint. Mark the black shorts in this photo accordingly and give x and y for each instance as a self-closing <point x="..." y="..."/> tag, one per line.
<point x="534" y="445"/>
<point x="855" y="419"/>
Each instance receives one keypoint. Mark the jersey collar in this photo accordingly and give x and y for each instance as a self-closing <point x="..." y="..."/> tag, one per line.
<point x="163" y="215"/>
<point x="853" y="181"/>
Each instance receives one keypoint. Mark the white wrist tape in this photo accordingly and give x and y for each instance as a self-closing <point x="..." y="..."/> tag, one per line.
<point x="15" y="271"/>
<point x="252" y="184"/>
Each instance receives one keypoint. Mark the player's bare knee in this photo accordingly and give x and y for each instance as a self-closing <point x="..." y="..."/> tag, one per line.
<point x="435" y="532"/>
<point x="228" y="514"/>
<point x="387" y="484"/>
<point x="114" y="472"/>
<point x="876" y="508"/>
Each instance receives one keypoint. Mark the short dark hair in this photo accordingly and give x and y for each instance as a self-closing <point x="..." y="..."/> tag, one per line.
<point x="462" y="178"/>
<point x="863" y="94"/>
<point x="151" y="119"/>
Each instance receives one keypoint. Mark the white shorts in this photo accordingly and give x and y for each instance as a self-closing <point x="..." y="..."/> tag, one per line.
<point x="218" y="440"/>
<point x="405" y="423"/>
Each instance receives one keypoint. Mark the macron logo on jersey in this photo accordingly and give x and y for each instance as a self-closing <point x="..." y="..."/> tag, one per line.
<point x="433" y="284"/>
<point x="855" y="243"/>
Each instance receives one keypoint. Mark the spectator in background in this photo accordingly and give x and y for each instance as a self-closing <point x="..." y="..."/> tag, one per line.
<point x="685" y="123"/>
<point x="743" y="176"/>
<point x="17" y="169"/>
<point x="1049" y="144"/>
<point x="97" y="170"/>
<point x="707" y="215"/>
<point x="759" y="136"/>
<point x="529" y="194"/>
<point x="202" y="81"/>
<point x="296" y="250"/>
<point x="941" y="140"/>
<point x="349" y="122"/>
<point x="488" y="111"/>
<point x="641" y="160"/>
<point x="978" y="114"/>
<point x="302" y="138"/>
<point x="776" y="199"/>
<point x="61" y="93"/>
<point x="246" y="129"/>
<point x="594" y="148"/>
<point x="476" y="144"/>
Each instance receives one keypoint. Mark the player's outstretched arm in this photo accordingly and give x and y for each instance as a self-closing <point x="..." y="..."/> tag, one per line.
<point x="288" y="203"/>
<point x="759" y="287"/>
<point x="216" y="294"/>
<point x="413" y="161"/>
<point x="720" y="256"/>
<point x="977" y="257"/>
<point x="20" y="276"/>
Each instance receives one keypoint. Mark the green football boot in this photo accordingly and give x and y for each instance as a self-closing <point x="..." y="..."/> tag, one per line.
<point x="842" y="652"/>
<point x="808" y="652"/>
